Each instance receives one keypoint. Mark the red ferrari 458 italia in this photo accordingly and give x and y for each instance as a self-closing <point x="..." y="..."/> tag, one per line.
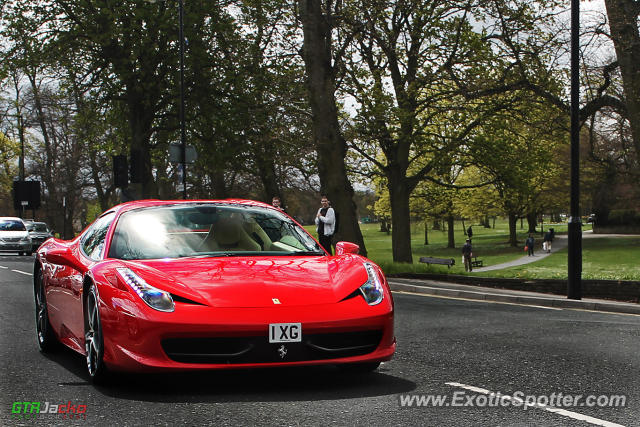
<point x="185" y="285"/>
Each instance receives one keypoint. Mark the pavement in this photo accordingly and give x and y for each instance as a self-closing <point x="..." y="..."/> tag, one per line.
<point x="559" y="243"/>
<point x="479" y="293"/>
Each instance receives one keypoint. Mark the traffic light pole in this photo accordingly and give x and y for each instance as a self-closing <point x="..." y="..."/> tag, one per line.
<point x="183" y="144"/>
<point x="574" y="286"/>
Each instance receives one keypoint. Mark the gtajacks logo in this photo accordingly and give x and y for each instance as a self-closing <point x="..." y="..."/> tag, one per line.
<point x="33" y="410"/>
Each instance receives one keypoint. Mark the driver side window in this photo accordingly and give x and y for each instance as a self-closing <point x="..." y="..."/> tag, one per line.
<point x="93" y="241"/>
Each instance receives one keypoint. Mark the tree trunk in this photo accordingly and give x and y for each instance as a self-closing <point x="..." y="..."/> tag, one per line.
<point x="426" y="232"/>
<point x="219" y="184"/>
<point x="513" y="236"/>
<point x="532" y="221"/>
<point x="400" y="223"/>
<point x="267" y="171"/>
<point x="451" y="232"/>
<point x="330" y="143"/>
<point x="140" y="124"/>
<point x="623" y="22"/>
<point x="604" y="198"/>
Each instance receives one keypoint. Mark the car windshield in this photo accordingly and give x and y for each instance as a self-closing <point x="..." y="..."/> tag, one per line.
<point x="40" y="227"/>
<point x="203" y="230"/>
<point x="11" y="225"/>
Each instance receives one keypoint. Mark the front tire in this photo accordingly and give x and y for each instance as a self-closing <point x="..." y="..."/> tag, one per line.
<point x="46" y="338"/>
<point x="93" y="340"/>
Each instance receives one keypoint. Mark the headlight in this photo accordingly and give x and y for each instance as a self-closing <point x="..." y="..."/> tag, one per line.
<point x="154" y="297"/>
<point x="372" y="290"/>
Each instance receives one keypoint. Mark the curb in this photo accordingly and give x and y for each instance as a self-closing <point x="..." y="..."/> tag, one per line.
<point x="486" y="295"/>
<point x="604" y="290"/>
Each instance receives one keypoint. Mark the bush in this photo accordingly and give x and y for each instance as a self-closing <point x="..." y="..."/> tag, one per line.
<point x="624" y="217"/>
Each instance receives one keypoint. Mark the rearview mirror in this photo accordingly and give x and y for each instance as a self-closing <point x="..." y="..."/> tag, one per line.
<point x="346" y="248"/>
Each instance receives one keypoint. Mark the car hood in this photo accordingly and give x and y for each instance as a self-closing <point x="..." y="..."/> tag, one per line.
<point x="13" y="234"/>
<point x="256" y="281"/>
<point x="39" y="235"/>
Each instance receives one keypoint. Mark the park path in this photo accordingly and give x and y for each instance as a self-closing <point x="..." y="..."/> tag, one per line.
<point x="559" y="242"/>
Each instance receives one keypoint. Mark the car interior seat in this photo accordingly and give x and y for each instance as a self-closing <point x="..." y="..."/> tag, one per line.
<point x="256" y="233"/>
<point x="228" y="235"/>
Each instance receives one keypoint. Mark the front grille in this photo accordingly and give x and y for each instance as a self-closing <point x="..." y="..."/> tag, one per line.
<point x="235" y="350"/>
<point x="11" y="239"/>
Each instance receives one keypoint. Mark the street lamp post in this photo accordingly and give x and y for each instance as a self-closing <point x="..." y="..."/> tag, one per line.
<point x="183" y="146"/>
<point x="574" y="286"/>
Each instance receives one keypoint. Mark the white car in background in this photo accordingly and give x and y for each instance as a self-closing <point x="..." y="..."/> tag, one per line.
<point x="14" y="236"/>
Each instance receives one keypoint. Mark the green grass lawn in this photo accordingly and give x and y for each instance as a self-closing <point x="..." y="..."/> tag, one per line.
<point x="603" y="258"/>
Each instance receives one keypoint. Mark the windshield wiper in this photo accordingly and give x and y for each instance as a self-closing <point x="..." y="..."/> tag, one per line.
<point x="307" y="253"/>
<point x="230" y="254"/>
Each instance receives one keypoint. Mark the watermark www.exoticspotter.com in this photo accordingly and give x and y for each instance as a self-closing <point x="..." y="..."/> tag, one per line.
<point x="518" y="399"/>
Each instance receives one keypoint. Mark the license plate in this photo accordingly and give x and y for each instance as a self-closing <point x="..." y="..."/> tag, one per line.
<point x="285" y="332"/>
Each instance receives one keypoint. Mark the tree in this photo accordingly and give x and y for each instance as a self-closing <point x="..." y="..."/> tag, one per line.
<point x="517" y="151"/>
<point x="426" y="77"/>
<point x="317" y="19"/>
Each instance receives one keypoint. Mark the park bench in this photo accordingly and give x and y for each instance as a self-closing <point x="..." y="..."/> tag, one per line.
<point x="475" y="262"/>
<point x="442" y="261"/>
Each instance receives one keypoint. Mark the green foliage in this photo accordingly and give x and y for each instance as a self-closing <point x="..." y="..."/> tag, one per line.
<point x="9" y="151"/>
<point x="443" y="113"/>
<point x="624" y="217"/>
<point x="93" y="211"/>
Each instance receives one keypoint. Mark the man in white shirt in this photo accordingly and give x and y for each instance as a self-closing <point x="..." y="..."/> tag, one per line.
<point x="326" y="223"/>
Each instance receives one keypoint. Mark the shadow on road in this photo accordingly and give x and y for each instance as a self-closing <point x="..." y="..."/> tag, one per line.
<point x="241" y="385"/>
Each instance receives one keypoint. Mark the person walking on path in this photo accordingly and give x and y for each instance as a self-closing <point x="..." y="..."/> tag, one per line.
<point x="546" y="244"/>
<point x="469" y="232"/>
<point x="326" y="222"/>
<point x="529" y="243"/>
<point x="466" y="255"/>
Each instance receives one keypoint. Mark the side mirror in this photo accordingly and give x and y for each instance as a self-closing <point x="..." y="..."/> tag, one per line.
<point x="64" y="256"/>
<point x="346" y="248"/>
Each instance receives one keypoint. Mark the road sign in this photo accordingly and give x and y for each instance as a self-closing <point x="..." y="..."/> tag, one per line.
<point x="175" y="153"/>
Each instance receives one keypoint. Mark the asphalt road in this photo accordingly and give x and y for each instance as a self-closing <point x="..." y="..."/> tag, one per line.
<point x="451" y="349"/>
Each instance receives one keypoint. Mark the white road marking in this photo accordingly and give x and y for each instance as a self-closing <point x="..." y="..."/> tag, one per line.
<point x="23" y="272"/>
<point x="546" y="308"/>
<point x="2" y="266"/>
<point x="552" y="409"/>
<point x="477" y="300"/>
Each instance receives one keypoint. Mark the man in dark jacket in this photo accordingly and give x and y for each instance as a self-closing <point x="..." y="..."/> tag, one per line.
<point x="546" y="244"/>
<point x="467" y="254"/>
<point x="529" y="243"/>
